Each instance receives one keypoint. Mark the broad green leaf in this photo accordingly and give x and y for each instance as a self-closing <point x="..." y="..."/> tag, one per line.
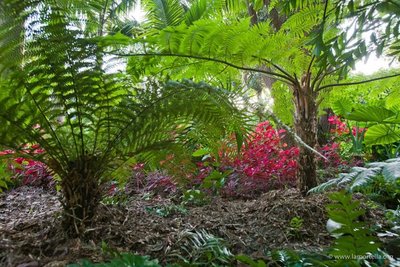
<point x="382" y="134"/>
<point x="342" y="106"/>
<point x="364" y="177"/>
<point x="370" y="114"/>
<point x="394" y="119"/>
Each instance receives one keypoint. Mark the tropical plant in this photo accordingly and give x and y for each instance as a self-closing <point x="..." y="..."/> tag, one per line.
<point x="316" y="51"/>
<point x="295" y="227"/>
<point x="26" y="171"/>
<point x="201" y="248"/>
<point x="344" y="131"/>
<point x="265" y="162"/>
<point x="356" y="238"/>
<point x="88" y="119"/>
<point x="359" y="177"/>
<point x="385" y="129"/>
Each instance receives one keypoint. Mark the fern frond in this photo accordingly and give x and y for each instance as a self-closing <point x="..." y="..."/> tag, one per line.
<point x="391" y="170"/>
<point x="364" y="176"/>
<point x="325" y="186"/>
<point x="164" y="13"/>
<point x="359" y="177"/>
<point x="304" y="21"/>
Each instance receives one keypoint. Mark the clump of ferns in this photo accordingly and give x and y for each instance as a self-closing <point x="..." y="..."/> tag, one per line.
<point x="359" y="178"/>
<point x="200" y="248"/>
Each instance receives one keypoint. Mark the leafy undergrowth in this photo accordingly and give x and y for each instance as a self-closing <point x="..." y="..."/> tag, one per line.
<point x="30" y="228"/>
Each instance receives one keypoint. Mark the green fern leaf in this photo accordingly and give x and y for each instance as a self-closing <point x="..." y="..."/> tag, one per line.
<point x="391" y="170"/>
<point x="364" y="176"/>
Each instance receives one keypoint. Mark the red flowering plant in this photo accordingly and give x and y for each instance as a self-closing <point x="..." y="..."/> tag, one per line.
<point x="27" y="171"/>
<point x="341" y="133"/>
<point x="264" y="163"/>
<point x="333" y="158"/>
<point x="143" y="181"/>
<point x="344" y="148"/>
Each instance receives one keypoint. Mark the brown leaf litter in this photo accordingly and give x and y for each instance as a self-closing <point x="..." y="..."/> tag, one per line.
<point x="31" y="234"/>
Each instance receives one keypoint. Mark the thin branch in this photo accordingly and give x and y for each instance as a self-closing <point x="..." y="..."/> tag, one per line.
<point x="298" y="140"/>
<point x="310" y="65"/>
<point x="360" y="82"/>
<point x="319" y="73"/>
<point x="282" y="77"/>
<point x="290" y="77"/>
<point x="318" y="81"/>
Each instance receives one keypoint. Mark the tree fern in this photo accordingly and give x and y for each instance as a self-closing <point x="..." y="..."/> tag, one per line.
<point x="305" y="59"/>
<point x="90" y="121"/>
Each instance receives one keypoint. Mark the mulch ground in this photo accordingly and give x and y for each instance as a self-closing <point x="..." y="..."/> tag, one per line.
<point x="31" y="234"/>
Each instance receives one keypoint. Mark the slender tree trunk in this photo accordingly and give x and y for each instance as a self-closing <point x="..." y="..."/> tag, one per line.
<point x="305" y="124"/>
<point x="81" y="197"/>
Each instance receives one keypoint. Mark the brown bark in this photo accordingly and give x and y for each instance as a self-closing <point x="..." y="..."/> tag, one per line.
<point x="305" y="124"/>
<point x="81" y="196"/>
<point x="324" y="128"/>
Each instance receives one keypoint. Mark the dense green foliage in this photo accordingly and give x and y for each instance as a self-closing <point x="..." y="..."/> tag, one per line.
<point x="88" y="118"/>
<point x="99" y="94"/>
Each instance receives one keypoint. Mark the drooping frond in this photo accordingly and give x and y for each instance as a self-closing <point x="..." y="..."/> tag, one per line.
<point x="235" y="42"/>
<point x="164" y="13"/>
<point x="304" y="21"/>
<point x="359" y="177"/>
<point x="197" y="10"/>
<point x="62" y="98"/>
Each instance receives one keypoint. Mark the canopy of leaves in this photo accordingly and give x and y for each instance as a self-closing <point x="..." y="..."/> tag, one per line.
<point x="63" y="96"/>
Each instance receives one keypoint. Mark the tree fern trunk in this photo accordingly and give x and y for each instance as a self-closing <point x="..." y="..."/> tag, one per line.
<point x="81" y="196"/>
<point x="305" y="124"/>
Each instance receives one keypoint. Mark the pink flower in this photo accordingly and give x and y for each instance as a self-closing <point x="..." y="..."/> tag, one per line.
<point x="6" y="152"/>
<point x="360" y="131"/>
<point x="35" y="146"/>
<point x="19" y="160"/>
